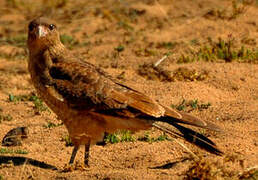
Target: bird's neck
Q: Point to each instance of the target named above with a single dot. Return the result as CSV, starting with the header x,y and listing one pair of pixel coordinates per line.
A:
x,y
57,50
41,61
39,65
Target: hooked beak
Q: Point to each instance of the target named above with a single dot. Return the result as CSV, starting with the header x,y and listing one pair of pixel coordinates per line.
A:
x,y
41,31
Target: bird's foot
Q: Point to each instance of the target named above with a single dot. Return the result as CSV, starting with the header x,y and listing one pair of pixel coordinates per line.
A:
x,y
75,166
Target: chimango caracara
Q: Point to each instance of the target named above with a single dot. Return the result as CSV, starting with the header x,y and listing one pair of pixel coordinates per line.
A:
x,y
90,102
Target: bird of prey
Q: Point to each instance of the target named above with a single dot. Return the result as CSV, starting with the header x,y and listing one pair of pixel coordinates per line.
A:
x,y
91,103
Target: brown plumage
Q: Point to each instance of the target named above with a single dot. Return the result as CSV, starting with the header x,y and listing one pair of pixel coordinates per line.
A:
x,y
90,102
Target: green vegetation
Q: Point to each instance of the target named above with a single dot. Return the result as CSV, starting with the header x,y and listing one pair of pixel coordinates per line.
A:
x,y
67,140
190,105
167,45
237,8
39,106
18,41
13,98
148,138
119,48
7,117
146,52
51,125
69,41
120,136
126,136
1,177
125,25
221,50
195,42
11,151
13,47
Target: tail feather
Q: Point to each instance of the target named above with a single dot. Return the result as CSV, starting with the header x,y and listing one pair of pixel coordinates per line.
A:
x,y
185,118
192,137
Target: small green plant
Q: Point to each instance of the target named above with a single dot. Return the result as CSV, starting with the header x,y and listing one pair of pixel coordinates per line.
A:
x,y
1,177
11,151
149,139
180,107
111,138
38,103
7,117
191,105
167,45
194,104
162,137
145,52
120,136
221,50
67,140
237,8
125,25
69,41
18,41
120,48
51,125
126,136
13,98
195,42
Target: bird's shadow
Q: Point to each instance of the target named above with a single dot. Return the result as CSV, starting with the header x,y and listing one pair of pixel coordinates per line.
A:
x,y
18,161
170,164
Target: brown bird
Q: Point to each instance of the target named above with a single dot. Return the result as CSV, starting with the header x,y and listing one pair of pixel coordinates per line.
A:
x,y
90,102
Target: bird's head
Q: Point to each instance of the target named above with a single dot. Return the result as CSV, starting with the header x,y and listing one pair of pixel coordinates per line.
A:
x,y
42,34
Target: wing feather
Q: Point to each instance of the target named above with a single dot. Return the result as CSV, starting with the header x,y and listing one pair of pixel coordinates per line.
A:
x,y
84,85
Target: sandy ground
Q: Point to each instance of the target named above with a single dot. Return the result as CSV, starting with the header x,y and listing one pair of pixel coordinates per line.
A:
x,y
141,28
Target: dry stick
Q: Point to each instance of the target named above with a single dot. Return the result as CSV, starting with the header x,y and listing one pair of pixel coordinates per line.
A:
x,y
31,172
162,128
160,60
163,11
23,167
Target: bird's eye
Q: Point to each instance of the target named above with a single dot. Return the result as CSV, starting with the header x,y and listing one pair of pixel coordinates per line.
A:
x,y
51,27
31,27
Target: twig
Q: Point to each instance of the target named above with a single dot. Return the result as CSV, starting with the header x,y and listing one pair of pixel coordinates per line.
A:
x,y
23,167
187,149
160,60
162,128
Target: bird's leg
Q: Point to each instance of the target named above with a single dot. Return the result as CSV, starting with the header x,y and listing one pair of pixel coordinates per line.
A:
x,y
87,153
75,149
